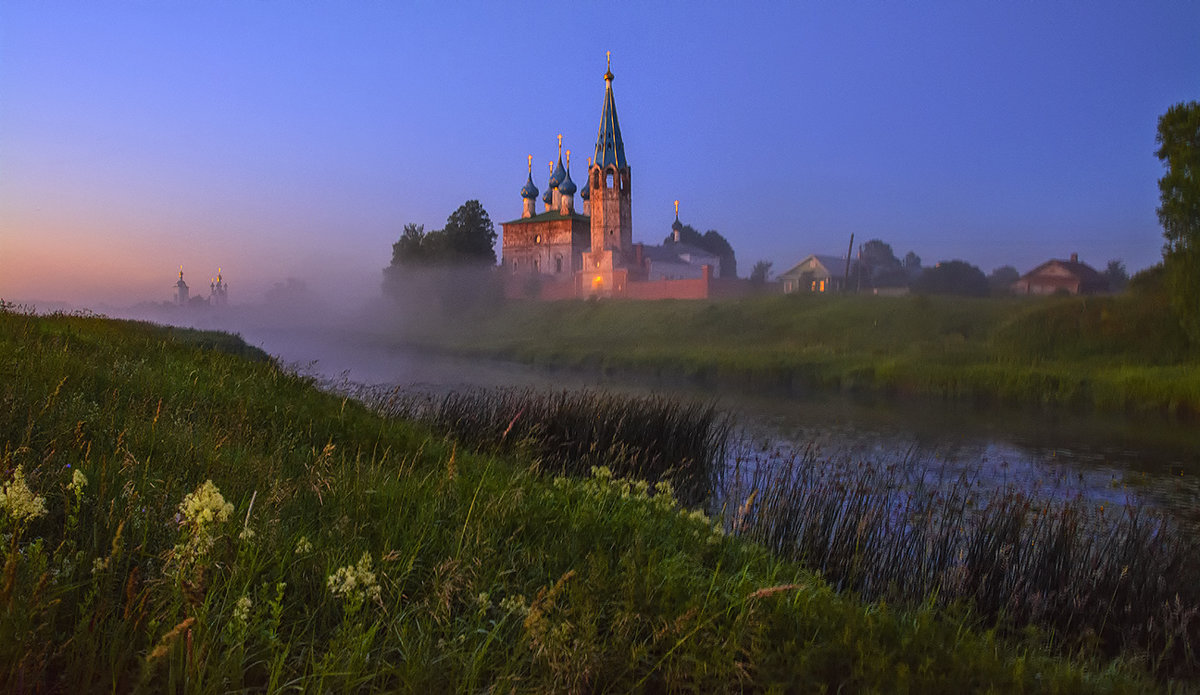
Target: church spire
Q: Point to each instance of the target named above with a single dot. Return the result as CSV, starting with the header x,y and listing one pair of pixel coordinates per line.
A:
x,y
610,149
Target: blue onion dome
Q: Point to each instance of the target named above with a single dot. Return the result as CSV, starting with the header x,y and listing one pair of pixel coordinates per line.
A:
x,y
567,187
678,225
529,191
548,197
583,193
559,174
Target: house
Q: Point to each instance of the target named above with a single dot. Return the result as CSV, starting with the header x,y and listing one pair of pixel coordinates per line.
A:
x,y
1061,277
819,273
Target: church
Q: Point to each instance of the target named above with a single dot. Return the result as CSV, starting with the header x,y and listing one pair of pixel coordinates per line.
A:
x,y
563,252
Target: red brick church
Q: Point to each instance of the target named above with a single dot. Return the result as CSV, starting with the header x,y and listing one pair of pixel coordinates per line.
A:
x,y
562,252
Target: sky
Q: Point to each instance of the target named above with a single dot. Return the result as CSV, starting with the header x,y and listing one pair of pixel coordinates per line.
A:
x,y
278,139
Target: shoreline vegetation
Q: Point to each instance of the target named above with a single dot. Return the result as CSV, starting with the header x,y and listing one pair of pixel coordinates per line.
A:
x,y
1124,354
180,514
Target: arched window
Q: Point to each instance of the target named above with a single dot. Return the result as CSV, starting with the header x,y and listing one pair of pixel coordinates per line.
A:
x,y
558,264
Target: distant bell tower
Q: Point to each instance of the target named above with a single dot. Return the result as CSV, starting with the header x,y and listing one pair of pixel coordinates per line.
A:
x,y
181,289
609,181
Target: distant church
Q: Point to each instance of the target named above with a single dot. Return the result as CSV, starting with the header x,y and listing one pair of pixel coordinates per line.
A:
x,y
561,253
218,292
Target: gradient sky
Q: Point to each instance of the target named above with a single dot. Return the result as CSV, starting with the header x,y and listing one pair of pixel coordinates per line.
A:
x,y
279,139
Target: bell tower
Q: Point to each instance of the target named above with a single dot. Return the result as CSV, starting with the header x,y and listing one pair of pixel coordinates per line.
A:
x,y
609,182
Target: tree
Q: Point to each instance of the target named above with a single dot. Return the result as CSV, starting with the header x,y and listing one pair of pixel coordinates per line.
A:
x,y
468,239
1115,275
952,277
1179,210
760,273
1001,280
712,242
883,268
470,235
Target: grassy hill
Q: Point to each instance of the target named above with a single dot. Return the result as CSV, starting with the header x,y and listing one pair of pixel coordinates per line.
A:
x,y
1122,353
179,514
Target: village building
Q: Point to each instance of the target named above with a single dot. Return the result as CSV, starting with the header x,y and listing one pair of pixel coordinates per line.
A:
x,y
819,273
588,251
1061,277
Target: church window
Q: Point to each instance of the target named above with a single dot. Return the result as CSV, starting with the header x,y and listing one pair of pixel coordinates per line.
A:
x,y
558,264
608,179
537,239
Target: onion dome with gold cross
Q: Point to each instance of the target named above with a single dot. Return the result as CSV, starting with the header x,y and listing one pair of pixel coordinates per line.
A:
x,y
529,191
548,196
567,186
557,176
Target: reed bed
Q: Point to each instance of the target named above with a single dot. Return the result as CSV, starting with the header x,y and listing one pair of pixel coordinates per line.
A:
x,y
1123,579
649,438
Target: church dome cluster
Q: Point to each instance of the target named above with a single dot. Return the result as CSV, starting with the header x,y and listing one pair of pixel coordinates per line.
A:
x,y
560,189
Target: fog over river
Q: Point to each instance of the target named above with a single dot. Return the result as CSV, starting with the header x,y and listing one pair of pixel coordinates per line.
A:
x,y
1110,459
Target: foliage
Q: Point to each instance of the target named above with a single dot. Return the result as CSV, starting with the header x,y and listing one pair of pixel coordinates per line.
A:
x,y
369,554
1115,275
468,238
1179,209
953,277
1001,280
760,273
448,269
712,242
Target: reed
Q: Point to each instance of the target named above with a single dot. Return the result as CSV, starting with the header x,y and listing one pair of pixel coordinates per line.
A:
x,y
1123,579
649,438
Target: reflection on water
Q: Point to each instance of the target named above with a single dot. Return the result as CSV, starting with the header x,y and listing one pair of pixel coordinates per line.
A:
x,y
1107,458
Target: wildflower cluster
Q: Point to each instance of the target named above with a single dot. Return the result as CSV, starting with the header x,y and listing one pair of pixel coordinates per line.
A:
x,y
241,610
78,482
603,482
354,583
19,501
200,512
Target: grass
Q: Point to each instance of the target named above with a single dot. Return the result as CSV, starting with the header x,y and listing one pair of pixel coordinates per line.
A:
x,y
1122,353
237,529
651,438
1123,579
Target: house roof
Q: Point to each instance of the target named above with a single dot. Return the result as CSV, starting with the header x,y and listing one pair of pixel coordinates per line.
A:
x,y
1087,275
834,265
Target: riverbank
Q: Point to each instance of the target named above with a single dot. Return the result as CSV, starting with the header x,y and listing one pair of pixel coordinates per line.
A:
x,y
1116,354
178,517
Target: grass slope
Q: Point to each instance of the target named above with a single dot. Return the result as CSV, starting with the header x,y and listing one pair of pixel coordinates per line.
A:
x,y
335,550
1123,353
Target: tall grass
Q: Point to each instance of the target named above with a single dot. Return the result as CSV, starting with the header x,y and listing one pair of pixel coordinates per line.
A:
x,y
569,432
235,529
1121,579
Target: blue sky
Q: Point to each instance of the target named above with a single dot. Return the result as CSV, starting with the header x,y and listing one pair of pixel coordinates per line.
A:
x,y
279,139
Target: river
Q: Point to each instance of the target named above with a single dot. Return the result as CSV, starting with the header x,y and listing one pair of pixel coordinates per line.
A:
x,y
1055,453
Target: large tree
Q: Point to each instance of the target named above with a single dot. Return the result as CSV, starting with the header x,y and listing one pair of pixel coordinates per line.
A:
x,y
710,241
952,277
1179,209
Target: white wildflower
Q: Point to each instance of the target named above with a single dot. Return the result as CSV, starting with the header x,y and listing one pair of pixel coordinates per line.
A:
x,y
19,501
78,482
303,546
355,582
241,610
